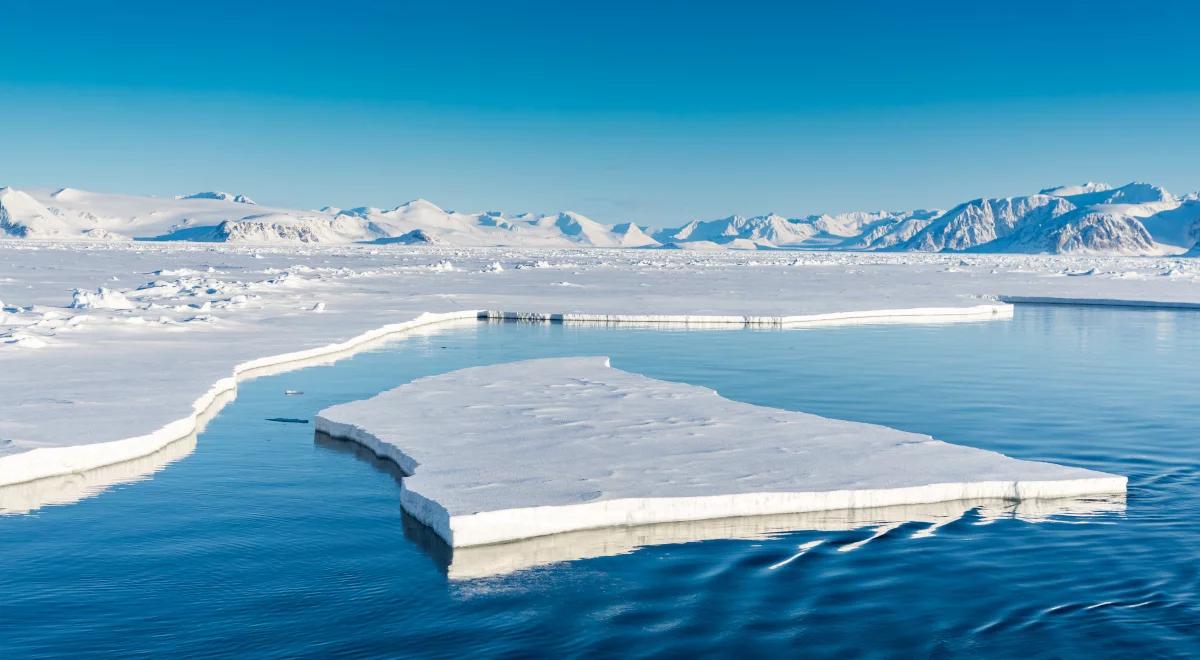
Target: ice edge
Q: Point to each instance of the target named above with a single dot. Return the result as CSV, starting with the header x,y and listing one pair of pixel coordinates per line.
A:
x,y
44,462
506,525
1098,302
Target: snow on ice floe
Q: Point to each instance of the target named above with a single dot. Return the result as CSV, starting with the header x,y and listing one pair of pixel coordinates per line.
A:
x,y
514,451
101,298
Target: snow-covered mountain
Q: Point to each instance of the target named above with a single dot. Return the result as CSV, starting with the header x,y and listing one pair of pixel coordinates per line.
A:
x,y
68,213
981,221
1134,219
855,230
421,221
23,216
224,196
223,217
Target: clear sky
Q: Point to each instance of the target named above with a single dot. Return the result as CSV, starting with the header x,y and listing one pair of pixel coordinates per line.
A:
x,y
656,112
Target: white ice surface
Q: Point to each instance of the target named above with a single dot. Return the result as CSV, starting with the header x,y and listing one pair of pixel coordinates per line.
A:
x,y
512,451
82,387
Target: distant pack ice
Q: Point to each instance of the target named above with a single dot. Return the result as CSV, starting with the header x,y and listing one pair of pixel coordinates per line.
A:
x,y
1091,218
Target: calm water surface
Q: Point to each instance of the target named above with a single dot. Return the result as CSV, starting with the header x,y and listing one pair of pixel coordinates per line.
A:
x,y
265,543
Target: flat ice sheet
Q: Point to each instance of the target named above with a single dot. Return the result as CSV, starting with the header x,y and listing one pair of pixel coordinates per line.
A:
x,y
73,358
519,450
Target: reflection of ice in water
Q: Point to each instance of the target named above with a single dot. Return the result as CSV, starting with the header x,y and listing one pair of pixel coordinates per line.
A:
x,y
70,488
985,312
500,558
489,560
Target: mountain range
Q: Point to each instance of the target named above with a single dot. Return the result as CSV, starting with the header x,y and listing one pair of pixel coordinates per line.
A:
x,y
1134,219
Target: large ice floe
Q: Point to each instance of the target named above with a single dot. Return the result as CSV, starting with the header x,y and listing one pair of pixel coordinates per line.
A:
x,y
515,451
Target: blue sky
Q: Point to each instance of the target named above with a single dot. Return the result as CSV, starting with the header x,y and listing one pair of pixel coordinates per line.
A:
x,y
656,112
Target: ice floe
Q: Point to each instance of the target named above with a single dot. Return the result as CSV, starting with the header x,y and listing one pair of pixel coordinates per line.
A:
x,y
507,452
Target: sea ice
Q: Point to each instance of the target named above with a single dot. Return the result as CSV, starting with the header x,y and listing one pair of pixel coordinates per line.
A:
x,y
75,361
514,451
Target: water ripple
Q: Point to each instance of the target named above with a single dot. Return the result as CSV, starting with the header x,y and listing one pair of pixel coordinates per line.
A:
x,y
264,543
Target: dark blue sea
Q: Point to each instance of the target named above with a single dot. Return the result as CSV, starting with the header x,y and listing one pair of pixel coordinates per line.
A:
x,y
264,541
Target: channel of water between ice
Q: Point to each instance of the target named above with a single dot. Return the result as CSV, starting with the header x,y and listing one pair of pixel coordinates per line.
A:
x,y
49,462
85,470
36,477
